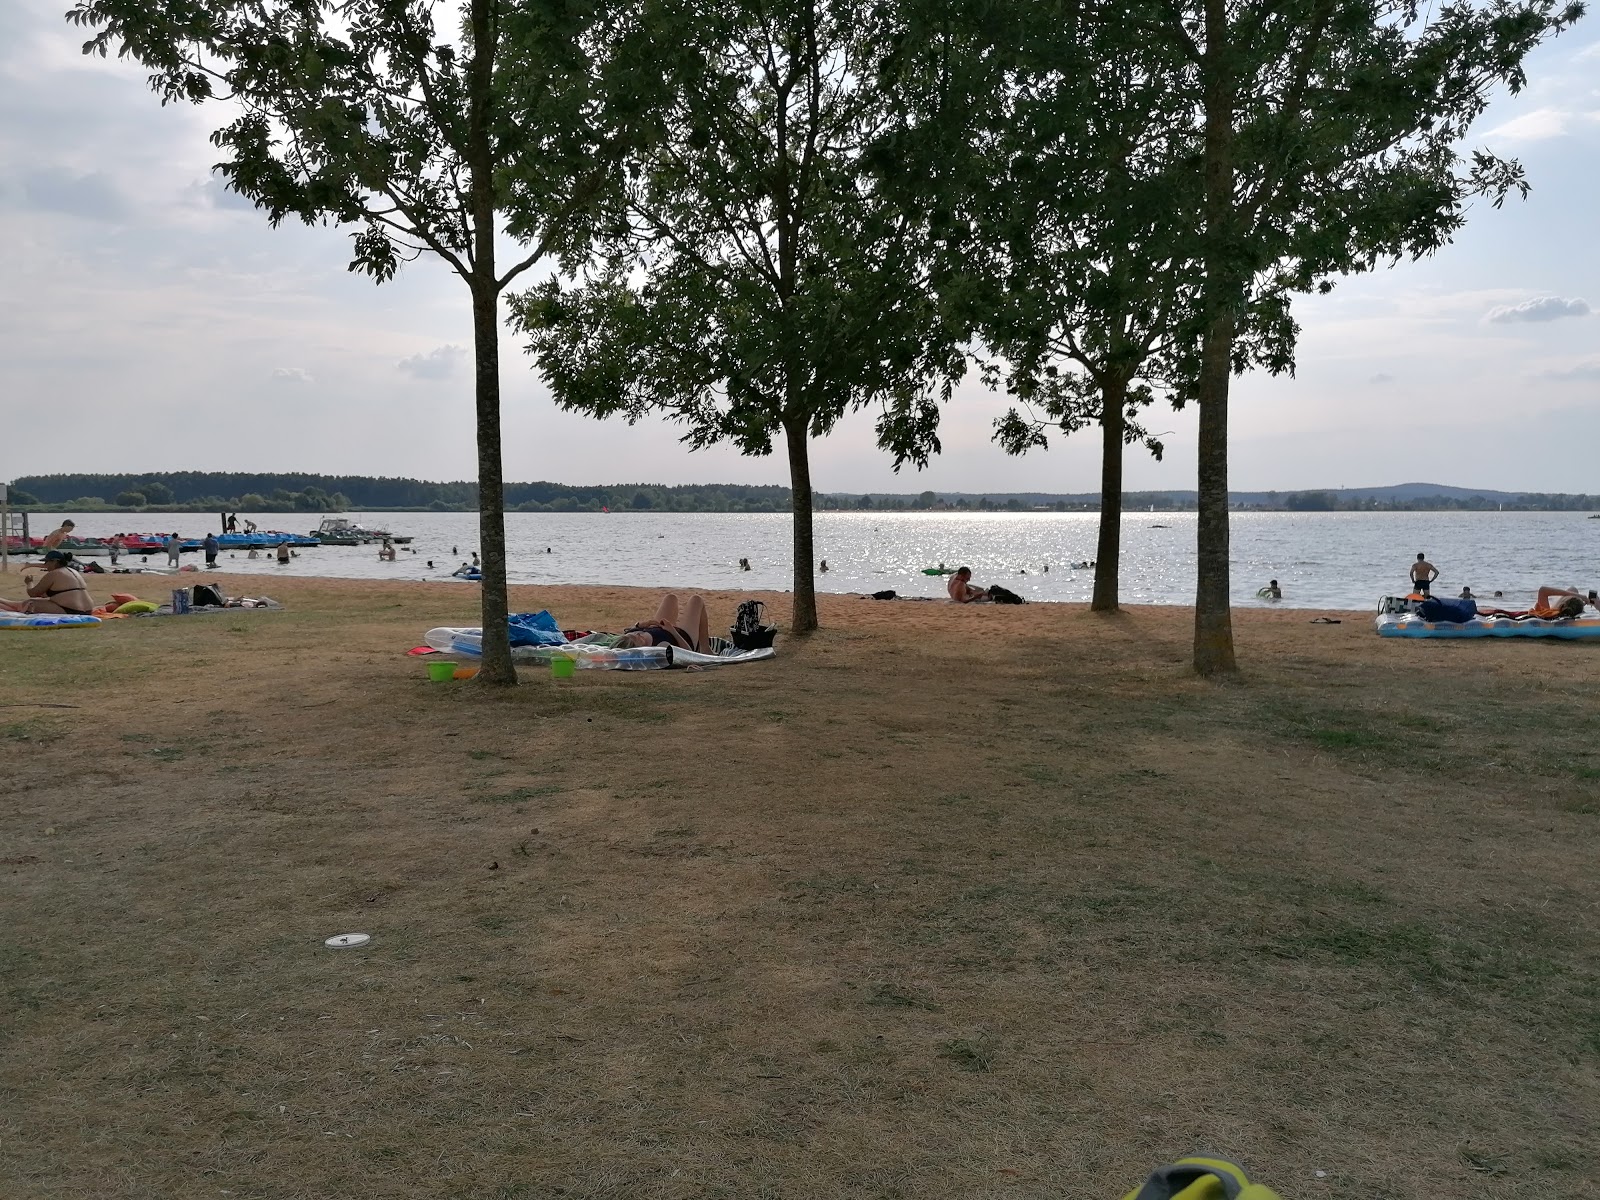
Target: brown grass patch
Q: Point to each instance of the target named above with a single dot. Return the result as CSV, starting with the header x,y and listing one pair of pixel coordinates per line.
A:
x,y
941,903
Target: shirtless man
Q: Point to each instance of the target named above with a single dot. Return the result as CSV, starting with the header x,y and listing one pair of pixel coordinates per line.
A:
x,y
961,589
55,537
1423,573
59,590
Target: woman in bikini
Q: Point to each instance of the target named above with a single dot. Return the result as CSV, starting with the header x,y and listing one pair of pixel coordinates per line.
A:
x,y
692,632
1545,608
60,590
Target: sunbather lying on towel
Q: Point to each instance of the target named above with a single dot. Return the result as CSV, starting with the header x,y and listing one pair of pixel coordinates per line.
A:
x,y
692,632
1544,608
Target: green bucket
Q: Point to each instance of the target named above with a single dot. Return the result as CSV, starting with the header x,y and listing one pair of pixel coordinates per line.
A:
x,y
562,666
441,671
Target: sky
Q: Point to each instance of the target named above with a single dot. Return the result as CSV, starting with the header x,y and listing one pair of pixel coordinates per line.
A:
x,y
150,321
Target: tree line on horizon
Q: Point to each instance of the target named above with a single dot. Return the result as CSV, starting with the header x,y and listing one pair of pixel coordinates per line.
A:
x,y
212,491
757,216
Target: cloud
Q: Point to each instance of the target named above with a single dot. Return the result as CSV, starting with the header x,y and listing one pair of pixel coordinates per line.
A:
x,y
1540,125
292,375
439,363
69,193
1381,377
1579,372
1545,308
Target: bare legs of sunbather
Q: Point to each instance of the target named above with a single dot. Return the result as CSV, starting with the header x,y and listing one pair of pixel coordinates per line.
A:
x,y
687,620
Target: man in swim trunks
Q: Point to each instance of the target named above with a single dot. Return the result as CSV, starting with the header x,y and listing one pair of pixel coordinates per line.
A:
x,y
59,590
1423,573
961,589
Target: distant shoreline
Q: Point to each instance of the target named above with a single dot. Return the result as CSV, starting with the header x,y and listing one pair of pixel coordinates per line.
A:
x,y
312,496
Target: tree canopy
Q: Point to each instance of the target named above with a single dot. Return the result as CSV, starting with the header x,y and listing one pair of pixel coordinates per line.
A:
x,y
759,286
431,128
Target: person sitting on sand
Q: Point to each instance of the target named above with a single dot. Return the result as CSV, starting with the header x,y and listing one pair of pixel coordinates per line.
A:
x,y
961,589
692,632
59,590
1423,573
1544,608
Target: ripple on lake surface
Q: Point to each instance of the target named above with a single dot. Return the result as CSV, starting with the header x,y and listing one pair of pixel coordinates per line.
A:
x,y
1321,560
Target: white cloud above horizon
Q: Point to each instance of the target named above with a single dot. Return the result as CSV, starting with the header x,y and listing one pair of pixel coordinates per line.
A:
x,y
439,363
1544,308
141,289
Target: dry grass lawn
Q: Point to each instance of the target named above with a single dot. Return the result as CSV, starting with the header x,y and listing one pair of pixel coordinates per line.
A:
x,y
942,903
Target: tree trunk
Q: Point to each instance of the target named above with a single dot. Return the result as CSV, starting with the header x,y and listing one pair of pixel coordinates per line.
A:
x,y
497,668
1213,618
1108,550
804,619
1213,615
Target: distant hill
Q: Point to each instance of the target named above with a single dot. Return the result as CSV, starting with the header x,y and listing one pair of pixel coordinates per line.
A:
x,y
201,491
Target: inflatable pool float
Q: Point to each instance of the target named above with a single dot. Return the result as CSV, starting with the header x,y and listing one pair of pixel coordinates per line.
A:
x,y
10,620
587,657
1409,625
938,570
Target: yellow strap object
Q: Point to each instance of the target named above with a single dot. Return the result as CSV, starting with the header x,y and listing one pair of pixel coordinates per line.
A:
x,y
1200,1178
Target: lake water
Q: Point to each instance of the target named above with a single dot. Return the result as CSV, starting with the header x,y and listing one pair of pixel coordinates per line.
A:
x,y
1321,560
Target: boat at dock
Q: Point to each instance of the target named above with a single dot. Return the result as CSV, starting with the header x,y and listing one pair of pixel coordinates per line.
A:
x,y
341,531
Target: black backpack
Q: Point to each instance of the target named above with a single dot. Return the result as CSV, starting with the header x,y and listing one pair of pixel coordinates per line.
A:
x,y
1000,595
749,632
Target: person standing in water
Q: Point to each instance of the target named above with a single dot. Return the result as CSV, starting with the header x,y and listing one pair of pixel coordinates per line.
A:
x,y
1423,573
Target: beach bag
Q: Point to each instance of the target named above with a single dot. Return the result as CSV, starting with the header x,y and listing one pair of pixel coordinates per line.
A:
x,y
749,631
1399,606
206,596
1451,612
1197,1178
1000,595
535,629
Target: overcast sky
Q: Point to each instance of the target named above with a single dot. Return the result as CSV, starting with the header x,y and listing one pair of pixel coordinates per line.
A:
x,y
151,321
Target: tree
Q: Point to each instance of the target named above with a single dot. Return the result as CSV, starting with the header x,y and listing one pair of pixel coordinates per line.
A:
x,y
130,499
156,493
1081,209
762,286
365,113
1329,133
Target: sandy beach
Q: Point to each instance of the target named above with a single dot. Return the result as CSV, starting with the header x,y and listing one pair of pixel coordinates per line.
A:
x,y
942,901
